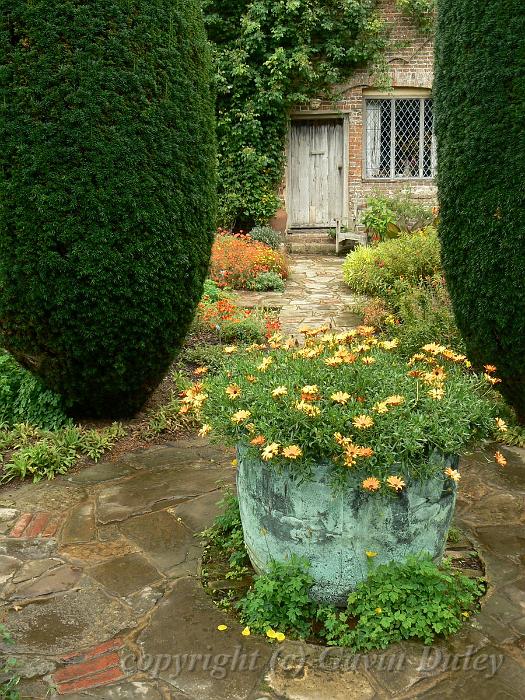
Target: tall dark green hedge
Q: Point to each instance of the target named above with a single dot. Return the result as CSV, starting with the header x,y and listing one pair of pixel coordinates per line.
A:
x,y
107,191
480,104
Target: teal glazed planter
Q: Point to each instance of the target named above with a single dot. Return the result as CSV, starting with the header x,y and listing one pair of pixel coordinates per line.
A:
x,y
281,517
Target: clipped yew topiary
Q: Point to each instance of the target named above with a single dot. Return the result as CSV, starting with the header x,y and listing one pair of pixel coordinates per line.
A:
x,y
107,191
480,104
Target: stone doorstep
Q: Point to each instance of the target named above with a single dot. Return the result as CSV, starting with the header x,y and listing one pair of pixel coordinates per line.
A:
x,y
95,667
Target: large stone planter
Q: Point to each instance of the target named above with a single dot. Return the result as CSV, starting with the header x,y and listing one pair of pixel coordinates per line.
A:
x,y
281,517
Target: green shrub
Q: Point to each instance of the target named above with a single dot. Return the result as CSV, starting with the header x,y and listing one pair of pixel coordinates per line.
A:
x,y
8,678
107,191
23,398
280,601
248,330
410,600
387,215
480,108
227,535
425,315
410,257
266,234
267,282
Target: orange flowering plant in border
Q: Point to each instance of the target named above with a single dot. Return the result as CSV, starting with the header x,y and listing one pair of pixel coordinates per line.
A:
x,y
354,401
235,260
229,319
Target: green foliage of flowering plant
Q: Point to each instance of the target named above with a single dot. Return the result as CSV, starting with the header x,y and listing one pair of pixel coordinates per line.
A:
x,y
397,601
351,400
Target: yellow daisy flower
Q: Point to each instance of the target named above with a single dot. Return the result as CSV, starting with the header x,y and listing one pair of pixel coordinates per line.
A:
x,y
501,425
270,451
340,397
371,555
205,430
396,483
240,416
436,394
362,422
222,628
233,391
265,364
279,391
292,452
453,474
230,349
246,632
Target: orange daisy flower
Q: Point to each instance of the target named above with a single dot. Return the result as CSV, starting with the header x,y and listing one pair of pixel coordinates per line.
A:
x,y
371,484
453,474
258,441
500,459
292,452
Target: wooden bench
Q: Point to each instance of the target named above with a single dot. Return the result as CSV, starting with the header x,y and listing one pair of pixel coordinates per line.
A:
x,y
357,233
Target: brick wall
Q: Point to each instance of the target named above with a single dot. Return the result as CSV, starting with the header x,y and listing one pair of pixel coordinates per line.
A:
x,y
410,60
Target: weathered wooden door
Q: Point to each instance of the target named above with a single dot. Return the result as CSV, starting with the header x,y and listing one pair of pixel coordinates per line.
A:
x,y
316,173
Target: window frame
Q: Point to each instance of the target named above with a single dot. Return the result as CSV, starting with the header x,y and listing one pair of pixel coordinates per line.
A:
x,y
393,99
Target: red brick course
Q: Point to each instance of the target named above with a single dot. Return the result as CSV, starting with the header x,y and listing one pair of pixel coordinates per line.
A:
x,y
31,525
97,666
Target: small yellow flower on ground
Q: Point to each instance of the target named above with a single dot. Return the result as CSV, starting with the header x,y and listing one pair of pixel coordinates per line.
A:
x,y
230,349
378,611
453,474
233,391
280,637
362,422
292,452
240,416
279,391
501,425
246,632
371,555
234,462
340,397
465,614
381,407
270,451
205,430
500,459
250,378
271,633
396,483
371,484
222,628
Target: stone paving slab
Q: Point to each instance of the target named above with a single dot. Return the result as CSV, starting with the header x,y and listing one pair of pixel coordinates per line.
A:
x,y
315,295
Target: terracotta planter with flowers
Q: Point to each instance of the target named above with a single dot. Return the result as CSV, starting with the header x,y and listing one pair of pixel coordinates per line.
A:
x,y
346,448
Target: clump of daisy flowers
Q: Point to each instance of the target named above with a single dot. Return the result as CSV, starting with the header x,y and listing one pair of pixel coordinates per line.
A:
x,y
350,400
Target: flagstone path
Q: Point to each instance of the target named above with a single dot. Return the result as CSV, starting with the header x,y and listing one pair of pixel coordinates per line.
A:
x,y
99,586
315,295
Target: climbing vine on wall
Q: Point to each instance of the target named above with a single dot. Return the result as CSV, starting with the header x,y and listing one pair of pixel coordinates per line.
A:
x,y
421,12
271,55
